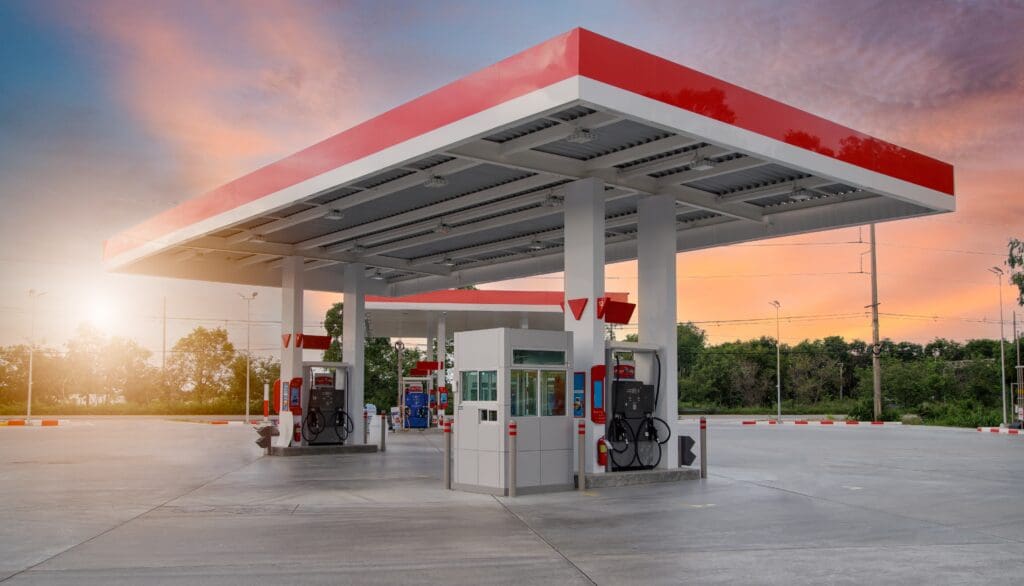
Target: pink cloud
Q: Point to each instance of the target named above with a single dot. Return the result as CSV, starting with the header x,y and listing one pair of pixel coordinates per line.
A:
x,y
228,86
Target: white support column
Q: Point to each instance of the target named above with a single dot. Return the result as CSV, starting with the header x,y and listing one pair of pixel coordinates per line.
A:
x,y
431,331
656,254
291,317
442,358
584,279
353,342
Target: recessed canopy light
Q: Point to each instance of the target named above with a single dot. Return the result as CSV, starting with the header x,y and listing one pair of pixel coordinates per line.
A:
x,y
799,195
258,239
580,136
377,275
552,201
536,245
435,181
334,215
442,228
448,262
702,164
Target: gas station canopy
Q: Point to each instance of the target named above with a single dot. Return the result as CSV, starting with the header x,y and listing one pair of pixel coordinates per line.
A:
x,y
465,184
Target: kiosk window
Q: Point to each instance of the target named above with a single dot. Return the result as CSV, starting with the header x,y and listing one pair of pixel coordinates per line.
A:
x,y
470,385
488,385
538,357
552,389
524,393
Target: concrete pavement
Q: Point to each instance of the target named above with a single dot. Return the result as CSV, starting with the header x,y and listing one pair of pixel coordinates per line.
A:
x,y
130,502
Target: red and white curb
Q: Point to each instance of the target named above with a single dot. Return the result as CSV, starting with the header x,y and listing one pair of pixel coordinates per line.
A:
x,y
821,422
33,422
1002,430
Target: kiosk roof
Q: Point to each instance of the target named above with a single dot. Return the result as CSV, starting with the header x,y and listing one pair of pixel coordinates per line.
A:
x,y
463,185
412,316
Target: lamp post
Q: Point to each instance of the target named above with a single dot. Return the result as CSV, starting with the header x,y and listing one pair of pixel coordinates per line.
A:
x,y
33,295
778,362
998,272
248,352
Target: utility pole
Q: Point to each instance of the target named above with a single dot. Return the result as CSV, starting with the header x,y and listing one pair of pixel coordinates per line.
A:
x,y
876,347
778,363
998,272
248,349
1019,369
163,343
33,295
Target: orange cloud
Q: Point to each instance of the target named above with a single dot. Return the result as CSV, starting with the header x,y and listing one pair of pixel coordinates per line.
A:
x,y
228,86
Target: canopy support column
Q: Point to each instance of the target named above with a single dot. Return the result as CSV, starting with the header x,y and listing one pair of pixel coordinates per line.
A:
x,y
353,342
656,255
584,279
292,273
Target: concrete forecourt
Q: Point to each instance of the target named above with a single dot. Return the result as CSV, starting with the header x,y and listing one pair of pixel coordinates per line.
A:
x,y
144,501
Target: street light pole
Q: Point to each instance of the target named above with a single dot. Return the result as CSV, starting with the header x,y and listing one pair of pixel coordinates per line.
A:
x,y
33,295
998,272
778,363
248,348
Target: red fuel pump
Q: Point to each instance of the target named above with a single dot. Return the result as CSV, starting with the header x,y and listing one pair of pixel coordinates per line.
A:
x,y
295,406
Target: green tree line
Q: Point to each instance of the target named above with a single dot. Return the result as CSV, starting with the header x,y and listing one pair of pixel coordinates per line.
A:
x,y
95,373
944,381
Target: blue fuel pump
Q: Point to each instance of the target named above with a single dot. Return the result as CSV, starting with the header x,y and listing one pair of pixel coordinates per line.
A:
x,y
417,412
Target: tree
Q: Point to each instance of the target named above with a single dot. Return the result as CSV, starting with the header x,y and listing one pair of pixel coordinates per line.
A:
x,y
265,370
334,321
13,373
200,363
689,344
1015,260
126,372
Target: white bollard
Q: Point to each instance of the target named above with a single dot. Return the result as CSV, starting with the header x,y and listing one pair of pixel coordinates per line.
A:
x,y
513,431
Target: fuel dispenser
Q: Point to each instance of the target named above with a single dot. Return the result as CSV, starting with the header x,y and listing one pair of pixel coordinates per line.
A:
x,y
635,436
317,401
416,402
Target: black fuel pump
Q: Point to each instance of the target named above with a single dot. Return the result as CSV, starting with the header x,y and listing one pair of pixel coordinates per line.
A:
x,y
326,409
635,435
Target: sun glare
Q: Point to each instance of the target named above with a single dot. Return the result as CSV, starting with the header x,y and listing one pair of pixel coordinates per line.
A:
x,y
100,312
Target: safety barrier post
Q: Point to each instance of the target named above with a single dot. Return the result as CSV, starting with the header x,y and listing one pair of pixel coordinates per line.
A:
x,y
512,452
383,431
447,455
366,426
266,402
582,449
703,447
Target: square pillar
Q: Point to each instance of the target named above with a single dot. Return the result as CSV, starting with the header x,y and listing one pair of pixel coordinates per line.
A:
x,y
353,342
656,256
584,279
292,273
442,358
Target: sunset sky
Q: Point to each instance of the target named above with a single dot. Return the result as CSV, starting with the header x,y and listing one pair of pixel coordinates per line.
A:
x,y
113,111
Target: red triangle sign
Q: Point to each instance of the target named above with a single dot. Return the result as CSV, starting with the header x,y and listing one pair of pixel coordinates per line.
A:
x,y
577,306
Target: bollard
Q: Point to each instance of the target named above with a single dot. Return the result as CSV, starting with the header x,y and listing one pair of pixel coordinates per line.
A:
x,y
703,447
582,450
383,431
512,432
447,474
366,427
266,402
